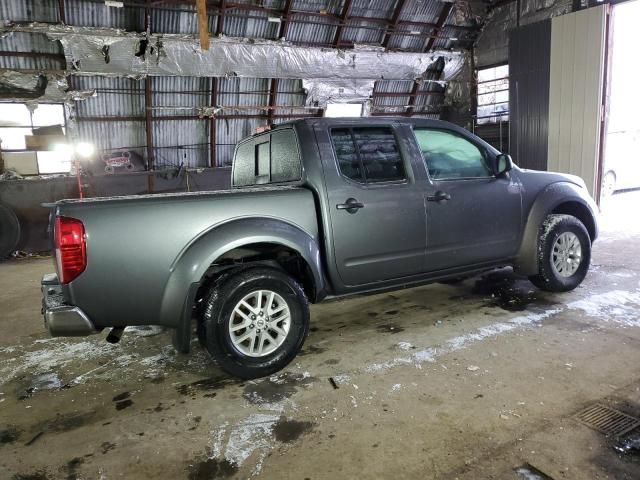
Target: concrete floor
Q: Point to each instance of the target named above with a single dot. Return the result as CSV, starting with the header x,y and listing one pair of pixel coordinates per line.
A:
x,y
470,381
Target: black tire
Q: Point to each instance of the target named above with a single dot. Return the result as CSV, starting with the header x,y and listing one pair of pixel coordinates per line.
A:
x,y
225,294
201,333
548,277
9,231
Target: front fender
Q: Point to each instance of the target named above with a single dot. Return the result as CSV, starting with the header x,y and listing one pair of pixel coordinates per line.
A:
x,y
193,262
546,202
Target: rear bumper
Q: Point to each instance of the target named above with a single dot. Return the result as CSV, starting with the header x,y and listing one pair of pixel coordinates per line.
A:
x,y
60,319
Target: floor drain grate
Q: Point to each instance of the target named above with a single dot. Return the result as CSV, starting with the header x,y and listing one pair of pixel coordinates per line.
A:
x,y
607,420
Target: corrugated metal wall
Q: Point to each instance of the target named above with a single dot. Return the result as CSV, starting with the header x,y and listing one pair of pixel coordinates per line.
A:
x,y
492,46
575,96
115,119
529,56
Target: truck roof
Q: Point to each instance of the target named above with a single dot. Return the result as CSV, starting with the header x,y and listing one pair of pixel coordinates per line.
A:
x,y
377,120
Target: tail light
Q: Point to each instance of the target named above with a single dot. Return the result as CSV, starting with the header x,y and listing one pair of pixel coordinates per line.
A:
x,y
70,246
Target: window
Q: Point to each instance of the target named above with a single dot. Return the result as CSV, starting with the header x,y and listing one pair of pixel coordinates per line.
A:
x,y
284,150
343,110
368,155
267,158
345,149
450,156
263,162
243,166
18,121
493,94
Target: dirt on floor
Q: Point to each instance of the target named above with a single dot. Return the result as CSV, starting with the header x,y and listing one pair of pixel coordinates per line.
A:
x,y
477,380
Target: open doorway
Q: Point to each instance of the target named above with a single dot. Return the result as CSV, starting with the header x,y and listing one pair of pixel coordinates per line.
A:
x,y
620,179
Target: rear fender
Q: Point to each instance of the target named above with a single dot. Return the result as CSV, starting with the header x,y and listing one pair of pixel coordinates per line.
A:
x,y
190,267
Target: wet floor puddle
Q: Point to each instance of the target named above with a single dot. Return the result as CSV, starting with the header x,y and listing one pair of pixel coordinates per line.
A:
x,y
508,293
47,381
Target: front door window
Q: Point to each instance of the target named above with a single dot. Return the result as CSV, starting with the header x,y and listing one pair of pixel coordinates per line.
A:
x,y
450,156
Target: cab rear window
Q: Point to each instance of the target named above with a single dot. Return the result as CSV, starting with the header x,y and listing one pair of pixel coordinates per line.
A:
x,y
368,154
272,157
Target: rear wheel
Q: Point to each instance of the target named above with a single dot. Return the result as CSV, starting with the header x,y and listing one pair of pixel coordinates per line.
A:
x,y
255,321
564,254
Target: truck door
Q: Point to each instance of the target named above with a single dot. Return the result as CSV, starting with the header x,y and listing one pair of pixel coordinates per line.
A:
x,y
376,210
472,216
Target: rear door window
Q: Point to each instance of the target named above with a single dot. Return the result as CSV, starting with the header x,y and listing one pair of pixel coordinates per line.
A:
x,y
368,154
345,149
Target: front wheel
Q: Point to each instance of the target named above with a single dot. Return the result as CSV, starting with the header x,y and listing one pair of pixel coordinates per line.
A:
x,y
255,321
564,254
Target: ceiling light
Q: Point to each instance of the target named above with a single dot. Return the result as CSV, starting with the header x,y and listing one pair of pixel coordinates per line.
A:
x,y
85,149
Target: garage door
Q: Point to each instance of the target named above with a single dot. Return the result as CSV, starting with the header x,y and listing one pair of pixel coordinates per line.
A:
x,y
576,93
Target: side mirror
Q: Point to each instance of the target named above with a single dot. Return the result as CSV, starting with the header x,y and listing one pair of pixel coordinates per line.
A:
x,y
503,164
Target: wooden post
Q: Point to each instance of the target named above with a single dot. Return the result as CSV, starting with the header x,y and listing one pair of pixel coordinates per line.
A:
x,y
203,24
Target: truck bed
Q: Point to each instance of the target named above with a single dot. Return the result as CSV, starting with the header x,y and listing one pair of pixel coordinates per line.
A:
x,y
134,242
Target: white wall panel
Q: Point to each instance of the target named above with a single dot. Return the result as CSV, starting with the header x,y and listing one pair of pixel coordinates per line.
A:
x,y
575,94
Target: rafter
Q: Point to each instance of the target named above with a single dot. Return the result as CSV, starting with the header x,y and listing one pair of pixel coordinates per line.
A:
x,y
395,20
221,12
346,11
225,9
285,20
61,12
440,23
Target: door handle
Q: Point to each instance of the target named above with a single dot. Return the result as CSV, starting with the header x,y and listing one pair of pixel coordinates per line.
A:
x,y
439,196
351,205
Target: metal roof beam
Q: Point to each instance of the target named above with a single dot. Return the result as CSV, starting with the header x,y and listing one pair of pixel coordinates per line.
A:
x,y
346,10
412,98
148,115
442,20
61,12
213,124
395,18
284,22
221,12
188,117
273,94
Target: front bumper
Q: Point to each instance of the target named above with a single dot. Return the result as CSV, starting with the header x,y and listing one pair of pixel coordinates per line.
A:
x,y
60,319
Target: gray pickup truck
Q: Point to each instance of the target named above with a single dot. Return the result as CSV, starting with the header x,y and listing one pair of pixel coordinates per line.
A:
x,y
319,207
